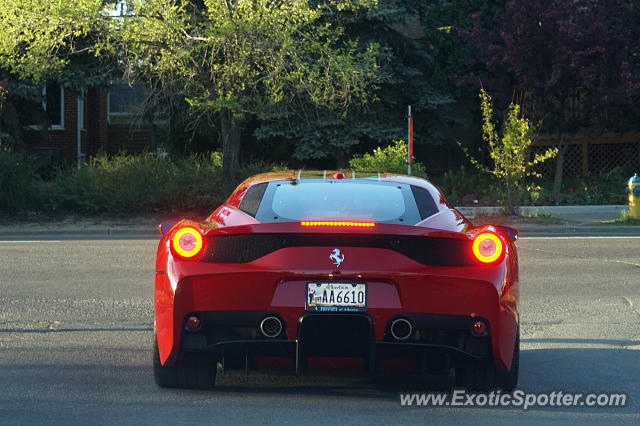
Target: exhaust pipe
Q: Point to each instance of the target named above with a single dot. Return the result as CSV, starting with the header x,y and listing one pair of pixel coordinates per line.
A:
x,y
271,327
401,329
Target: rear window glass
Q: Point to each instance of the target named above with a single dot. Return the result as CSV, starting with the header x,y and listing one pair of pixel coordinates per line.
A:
x,y
426,206
251,200
357,199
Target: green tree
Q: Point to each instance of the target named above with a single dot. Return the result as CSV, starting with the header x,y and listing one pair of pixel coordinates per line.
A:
x,y
42,41
234,60
40,37
509,151
392,158
573,63
405,76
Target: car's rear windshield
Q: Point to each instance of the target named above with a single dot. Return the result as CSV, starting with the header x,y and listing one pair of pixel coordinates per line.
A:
x,y
338,199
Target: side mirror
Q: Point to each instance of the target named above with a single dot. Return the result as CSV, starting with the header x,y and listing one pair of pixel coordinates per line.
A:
x,y
508,231
165,226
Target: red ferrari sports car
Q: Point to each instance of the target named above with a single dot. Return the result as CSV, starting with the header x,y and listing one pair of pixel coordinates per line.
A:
x,y
312,271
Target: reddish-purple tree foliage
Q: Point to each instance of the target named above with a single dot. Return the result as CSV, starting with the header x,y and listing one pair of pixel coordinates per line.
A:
x,y
575,63
572,64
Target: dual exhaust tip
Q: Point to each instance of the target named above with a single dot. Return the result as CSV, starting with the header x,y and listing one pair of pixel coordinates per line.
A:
x,y
401,329
271,327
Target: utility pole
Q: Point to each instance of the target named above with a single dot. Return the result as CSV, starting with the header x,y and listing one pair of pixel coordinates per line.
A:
x,y
409,139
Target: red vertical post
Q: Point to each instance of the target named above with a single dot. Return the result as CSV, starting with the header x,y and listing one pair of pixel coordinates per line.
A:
x,y
410,139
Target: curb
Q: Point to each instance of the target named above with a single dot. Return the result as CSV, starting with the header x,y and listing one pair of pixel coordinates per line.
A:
x,y
580,231
107,233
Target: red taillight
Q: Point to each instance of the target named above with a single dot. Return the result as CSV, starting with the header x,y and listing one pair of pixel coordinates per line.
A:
x,y
479,328
338,223
193,323
487,247
187,242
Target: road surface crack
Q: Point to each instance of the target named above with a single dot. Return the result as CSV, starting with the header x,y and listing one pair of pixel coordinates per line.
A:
x,y
630,304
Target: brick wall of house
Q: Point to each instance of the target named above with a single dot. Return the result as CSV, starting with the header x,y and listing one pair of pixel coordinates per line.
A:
x,y
66,139
94,137
98,136
130,139
96,121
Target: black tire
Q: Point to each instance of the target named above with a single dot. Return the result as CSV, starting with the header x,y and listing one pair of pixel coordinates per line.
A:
x,y
186,373
483,376
508,380
478,377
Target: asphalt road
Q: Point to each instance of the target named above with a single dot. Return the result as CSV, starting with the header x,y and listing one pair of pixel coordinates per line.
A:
x,y
76,327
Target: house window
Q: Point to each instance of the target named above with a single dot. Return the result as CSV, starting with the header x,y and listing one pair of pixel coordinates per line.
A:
x,y
81,110
53,104
125,100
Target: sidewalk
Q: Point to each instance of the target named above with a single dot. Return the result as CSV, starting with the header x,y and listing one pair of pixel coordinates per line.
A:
x,y
572,220
565,220
71,228
583,214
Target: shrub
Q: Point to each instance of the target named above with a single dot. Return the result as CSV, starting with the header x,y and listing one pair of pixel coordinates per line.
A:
x,y
393,159
509,151
17,174
601,188
462,186
136,184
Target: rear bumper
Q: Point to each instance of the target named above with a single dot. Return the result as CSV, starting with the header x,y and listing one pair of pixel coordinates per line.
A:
x,y
336,342
397,286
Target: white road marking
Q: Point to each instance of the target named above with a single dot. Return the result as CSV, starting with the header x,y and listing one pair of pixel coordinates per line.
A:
x,y
29,241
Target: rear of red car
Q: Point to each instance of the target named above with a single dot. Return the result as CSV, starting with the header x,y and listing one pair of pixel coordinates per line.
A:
x,y
335,290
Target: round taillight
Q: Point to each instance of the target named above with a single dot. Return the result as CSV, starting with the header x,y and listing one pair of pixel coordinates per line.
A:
x,y
193,323
487,247
479,328
187,242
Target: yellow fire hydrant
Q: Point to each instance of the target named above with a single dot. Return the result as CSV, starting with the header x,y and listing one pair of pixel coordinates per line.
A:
x,y
634,196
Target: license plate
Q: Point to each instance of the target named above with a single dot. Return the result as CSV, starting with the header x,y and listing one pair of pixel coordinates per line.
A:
x,y
336,297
